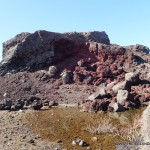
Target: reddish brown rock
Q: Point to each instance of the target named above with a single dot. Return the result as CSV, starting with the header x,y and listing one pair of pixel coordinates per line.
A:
x,y
89,60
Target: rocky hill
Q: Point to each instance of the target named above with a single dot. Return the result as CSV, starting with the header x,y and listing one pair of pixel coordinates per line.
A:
x,y
83,68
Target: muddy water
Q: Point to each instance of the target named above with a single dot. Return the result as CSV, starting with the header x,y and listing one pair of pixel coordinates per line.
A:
x,y
65,124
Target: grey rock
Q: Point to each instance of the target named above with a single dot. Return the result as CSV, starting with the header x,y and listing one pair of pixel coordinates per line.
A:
x,y
32,51
31,141
123,85
94,96
52,71
81,143
122,96
66,77
19,104
132,77
115,107
7,104
37,105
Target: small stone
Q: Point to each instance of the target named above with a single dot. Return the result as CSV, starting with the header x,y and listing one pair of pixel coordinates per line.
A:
x,y
24,137
81,143
94,139
31,141
20,111
73,143
5,136
59,141
88,148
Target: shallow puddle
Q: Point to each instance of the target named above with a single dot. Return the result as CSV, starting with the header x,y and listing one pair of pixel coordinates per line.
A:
x,y
64,124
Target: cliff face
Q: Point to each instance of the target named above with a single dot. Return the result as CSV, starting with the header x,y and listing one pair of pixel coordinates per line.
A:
x,y
28,51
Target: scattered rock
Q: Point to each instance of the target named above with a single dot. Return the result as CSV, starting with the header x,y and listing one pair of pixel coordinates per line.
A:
x,y
31,141
73,143
37,105
122,96
86,59
81,143
132,77
52,71
94,96
115,107
19,104
66,77
124,85
59,141
94,139
53,103
7,104
88,148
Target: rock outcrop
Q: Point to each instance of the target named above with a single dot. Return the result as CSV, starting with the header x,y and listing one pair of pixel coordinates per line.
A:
x,y
28,51
44,62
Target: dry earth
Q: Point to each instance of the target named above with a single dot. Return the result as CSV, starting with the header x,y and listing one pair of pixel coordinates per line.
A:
x,y
14,135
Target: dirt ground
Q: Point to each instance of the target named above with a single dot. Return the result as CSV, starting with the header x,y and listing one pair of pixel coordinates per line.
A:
x,y
14,135
24,85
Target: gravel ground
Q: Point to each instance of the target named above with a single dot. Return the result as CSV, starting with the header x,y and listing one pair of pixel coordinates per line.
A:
x,y
14,135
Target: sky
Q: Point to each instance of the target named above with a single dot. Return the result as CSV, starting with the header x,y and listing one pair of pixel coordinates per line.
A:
x,y
127,22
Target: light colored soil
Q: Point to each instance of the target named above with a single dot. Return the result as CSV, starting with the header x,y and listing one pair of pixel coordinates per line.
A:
x,y
14,135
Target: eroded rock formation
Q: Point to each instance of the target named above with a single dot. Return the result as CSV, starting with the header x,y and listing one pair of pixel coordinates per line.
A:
x,y
118,77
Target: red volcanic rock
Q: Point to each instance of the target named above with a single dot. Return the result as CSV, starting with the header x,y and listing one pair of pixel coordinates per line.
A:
x,y
43,48
89,60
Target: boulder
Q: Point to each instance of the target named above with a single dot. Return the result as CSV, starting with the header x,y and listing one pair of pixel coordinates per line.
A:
x,y
96,105
52,71
123,85
66,77
132,77
7,104
19,104
144,71
94,96
37,105
122,96
2,106
115,107
110,85
102,90
103,105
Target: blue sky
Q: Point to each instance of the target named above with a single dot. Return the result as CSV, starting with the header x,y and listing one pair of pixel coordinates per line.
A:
x,y
125,21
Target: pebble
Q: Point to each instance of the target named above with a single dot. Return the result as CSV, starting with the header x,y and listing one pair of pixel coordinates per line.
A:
x,y
24,137
77,140
81,143
73,143
94,139
5,136
59,141
31,141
